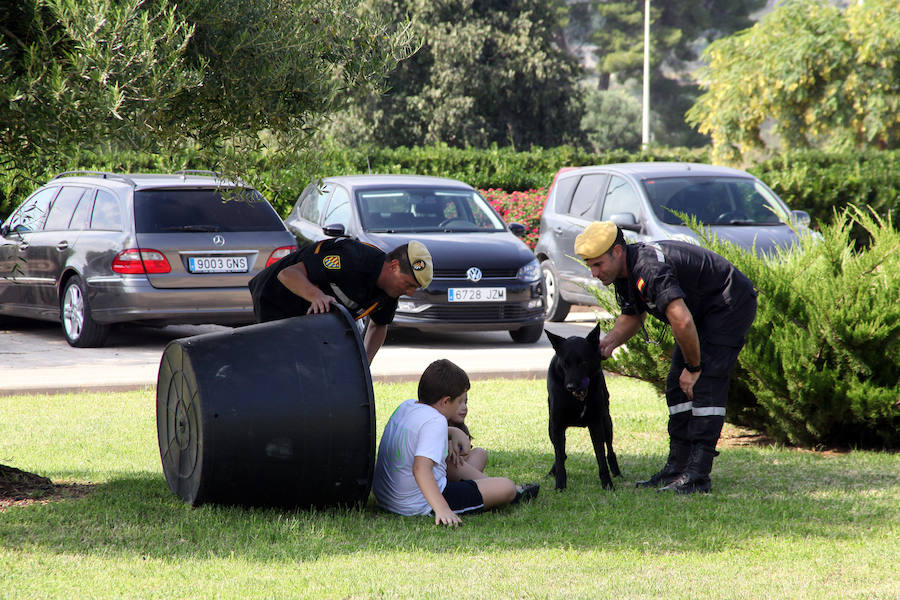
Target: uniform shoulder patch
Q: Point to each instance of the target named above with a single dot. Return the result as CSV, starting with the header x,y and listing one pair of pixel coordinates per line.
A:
x,y
640,284
332,261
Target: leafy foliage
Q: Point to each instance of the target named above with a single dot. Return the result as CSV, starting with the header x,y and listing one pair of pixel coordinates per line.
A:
x,y
675,28
489,71
155,76
820,365
823,77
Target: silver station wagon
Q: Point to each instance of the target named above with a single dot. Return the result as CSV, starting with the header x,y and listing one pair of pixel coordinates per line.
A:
x,y
91,249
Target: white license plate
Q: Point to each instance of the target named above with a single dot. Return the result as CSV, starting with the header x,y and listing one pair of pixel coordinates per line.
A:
x,y
481,294
218,264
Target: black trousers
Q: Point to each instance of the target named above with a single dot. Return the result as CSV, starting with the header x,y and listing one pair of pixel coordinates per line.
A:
x,y
699,421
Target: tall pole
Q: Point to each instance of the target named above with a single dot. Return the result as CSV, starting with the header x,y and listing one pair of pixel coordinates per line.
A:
x,y
645,109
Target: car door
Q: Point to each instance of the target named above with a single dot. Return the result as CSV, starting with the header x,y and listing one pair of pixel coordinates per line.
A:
x,y
340,212
621,199
304,222
580,212
50,249
17,271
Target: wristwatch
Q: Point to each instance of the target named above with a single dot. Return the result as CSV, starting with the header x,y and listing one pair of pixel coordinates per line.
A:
x,y
694,368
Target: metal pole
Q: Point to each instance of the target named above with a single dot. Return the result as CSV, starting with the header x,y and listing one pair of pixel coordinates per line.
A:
x,y
645,109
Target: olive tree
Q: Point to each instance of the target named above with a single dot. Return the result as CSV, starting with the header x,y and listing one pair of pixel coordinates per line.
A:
x,y
817,75
153,74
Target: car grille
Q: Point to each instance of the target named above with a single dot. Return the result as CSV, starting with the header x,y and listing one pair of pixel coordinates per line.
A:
x,y
485,273
473,313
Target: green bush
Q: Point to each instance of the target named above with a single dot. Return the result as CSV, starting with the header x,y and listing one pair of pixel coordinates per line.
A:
x,y
281,177
821,362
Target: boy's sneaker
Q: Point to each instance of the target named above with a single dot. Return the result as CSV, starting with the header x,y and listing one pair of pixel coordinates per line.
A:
x,y
526,492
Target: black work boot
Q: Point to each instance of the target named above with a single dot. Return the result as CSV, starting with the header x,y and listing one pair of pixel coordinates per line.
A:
x,y
679,454
695,478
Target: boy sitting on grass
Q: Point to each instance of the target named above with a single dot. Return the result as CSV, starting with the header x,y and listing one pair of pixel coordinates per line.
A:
x,y
411,470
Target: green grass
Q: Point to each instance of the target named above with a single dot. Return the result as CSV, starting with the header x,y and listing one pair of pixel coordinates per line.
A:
x,y
780,523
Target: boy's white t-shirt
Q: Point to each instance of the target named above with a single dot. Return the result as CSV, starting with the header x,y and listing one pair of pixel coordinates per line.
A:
x,y
413,430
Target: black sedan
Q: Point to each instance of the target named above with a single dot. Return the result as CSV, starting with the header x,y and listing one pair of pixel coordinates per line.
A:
x,y
485,278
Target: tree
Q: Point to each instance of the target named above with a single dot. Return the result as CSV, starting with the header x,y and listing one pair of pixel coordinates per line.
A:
x,y
677,29
489,71
152,74
821,77
609,120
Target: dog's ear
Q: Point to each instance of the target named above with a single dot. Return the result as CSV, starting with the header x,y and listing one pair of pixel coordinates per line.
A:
x,y
555,340
593,338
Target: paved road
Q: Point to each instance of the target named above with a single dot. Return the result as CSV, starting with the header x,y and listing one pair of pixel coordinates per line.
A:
x,y
34,356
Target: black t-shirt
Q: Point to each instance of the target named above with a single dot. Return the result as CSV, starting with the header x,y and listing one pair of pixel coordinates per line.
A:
x,y
711,287
344,268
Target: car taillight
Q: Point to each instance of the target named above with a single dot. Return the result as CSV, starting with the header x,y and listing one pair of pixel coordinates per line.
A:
x,y
135,260
279,253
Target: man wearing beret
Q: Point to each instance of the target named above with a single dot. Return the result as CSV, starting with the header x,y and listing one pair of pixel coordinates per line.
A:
x,y
710,306
359,276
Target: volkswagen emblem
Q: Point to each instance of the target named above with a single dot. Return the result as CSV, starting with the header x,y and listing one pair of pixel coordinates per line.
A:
x,y
473,274
219,240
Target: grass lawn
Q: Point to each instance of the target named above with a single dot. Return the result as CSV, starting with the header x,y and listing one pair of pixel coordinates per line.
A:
x,y
780,523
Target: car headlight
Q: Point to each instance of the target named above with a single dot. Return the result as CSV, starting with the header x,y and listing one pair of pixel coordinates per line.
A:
x,y
530,272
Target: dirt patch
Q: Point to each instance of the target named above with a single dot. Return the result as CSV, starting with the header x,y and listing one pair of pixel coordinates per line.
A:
x,y
21,488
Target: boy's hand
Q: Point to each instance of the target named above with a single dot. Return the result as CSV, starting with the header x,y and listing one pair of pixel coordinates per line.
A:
x,y
459,446
447,517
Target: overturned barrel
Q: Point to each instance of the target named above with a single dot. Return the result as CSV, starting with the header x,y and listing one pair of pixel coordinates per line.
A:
x,y
275,414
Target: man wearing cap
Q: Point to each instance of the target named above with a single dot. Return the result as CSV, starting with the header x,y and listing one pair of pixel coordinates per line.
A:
x,y
710,306
359,276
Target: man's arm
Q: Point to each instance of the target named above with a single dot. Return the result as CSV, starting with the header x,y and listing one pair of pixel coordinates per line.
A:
x,y
375,335
625,327
685,332
295,279
422,471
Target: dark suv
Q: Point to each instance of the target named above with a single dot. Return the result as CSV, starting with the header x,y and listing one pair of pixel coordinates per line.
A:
x,y
90,249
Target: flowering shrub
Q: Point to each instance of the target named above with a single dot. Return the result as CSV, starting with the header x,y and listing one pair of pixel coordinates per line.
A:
x,y
520,207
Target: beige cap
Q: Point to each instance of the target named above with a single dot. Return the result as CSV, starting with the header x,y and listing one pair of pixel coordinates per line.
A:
x,y
420,262
597,238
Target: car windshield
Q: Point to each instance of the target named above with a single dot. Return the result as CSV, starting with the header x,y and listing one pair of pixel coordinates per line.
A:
x,y
425,209
714,200
197,210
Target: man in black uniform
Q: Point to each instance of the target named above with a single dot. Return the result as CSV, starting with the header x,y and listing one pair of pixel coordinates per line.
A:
x,y
361,277
710,306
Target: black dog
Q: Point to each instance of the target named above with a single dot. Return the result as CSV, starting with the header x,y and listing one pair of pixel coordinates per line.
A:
x,y
578,398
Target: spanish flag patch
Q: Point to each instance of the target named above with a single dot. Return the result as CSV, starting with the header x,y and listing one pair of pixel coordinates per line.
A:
x,y
640,284
332,261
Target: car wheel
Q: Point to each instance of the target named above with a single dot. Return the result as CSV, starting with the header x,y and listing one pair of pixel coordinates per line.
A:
x,y
81,330
556,308
527,335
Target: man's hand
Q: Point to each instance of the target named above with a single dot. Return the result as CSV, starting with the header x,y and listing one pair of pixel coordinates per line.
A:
x,y
686,382
320,303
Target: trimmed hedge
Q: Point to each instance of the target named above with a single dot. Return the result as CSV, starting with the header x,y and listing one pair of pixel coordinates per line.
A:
x,y
817,182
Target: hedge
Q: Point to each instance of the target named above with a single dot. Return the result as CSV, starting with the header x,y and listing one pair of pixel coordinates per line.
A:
x,y
817,182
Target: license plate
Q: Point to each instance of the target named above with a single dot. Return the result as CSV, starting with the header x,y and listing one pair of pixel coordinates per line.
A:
x,y
218,264
481,294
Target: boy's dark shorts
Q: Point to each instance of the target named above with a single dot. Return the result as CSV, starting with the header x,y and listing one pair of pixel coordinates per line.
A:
x,y
463,496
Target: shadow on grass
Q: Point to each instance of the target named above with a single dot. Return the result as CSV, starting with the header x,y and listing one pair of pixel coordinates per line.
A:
x,y
758,493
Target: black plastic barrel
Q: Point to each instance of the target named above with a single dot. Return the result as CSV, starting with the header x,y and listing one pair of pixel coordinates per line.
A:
x,y
275,414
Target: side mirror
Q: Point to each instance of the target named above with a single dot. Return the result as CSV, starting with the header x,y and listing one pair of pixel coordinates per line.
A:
x,y
800,218
4,230
517,229
334,230
625,221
